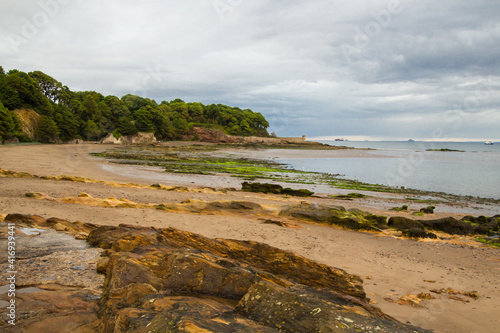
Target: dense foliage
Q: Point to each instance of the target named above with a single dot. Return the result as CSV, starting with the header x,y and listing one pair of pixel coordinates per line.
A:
x,y
89,115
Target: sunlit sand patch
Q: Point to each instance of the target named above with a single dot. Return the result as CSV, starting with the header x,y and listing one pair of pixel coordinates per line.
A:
x,y
86,180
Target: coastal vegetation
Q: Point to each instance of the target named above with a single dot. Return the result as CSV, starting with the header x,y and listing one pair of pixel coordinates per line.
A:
x,y
88,115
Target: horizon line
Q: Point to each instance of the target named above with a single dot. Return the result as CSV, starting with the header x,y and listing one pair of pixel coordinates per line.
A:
x,y
374,138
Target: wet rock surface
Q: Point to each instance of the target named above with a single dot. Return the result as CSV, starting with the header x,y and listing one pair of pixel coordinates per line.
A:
x,y
168,280
56,283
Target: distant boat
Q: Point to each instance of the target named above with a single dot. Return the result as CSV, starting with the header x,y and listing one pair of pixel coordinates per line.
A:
x,y
339,139
489,143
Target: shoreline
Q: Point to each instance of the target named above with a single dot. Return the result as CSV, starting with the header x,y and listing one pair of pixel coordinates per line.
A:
x,y
384,259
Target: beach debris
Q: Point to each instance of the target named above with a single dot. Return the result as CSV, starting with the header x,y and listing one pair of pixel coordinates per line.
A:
x,y
451,291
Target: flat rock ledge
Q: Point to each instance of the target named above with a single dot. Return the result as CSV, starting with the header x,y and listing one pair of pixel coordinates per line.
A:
x,y
168,280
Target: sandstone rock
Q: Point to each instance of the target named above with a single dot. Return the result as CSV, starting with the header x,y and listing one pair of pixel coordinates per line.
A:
x,y
261,256
305,309
78,229
168,280
29,122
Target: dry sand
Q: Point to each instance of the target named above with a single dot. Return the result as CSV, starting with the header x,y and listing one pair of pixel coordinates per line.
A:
x,y
395,267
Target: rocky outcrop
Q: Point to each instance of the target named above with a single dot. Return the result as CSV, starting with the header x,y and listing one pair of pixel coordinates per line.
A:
x,y
172,280
217,136
140,138
212,135
168,280
336,215
29,121
274,188
469,225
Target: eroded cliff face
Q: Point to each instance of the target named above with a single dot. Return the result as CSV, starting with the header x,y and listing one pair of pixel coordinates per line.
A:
x,y
29,122
168,280
139,138
217,136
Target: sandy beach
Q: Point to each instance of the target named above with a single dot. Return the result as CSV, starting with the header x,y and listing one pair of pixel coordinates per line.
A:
x,y
391,267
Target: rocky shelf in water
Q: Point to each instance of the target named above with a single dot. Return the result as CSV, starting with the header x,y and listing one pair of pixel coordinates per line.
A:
x,y
168,280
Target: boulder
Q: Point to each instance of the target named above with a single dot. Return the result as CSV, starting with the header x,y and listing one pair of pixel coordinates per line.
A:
x,y
427,210
403,223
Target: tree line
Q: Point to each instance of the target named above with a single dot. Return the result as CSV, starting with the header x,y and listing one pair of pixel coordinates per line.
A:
x,y
88,115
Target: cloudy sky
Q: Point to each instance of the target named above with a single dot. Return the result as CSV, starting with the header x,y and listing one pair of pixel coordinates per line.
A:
x,y
374,69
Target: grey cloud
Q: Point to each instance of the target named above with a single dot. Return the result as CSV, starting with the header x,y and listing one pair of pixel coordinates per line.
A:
x,y
286,59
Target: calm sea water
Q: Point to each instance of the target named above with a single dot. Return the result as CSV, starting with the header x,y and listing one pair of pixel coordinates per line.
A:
x,y
473,171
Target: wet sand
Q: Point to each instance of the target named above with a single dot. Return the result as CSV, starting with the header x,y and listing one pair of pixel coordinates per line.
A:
x,y
395,267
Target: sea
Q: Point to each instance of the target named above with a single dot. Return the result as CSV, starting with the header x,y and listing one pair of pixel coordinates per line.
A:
x,y
471,168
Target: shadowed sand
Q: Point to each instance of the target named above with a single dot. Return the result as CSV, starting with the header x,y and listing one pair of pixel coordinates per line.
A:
x,y
393,267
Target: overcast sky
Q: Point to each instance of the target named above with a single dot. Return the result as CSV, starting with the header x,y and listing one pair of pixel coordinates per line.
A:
x,y
388,69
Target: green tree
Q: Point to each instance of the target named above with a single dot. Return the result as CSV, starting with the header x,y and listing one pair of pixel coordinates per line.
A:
x,y
195,111
47,130
144,119
180,108
23,92
50,87
90,104
126,126
66,122
245,127
163,126
92,131
9,124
